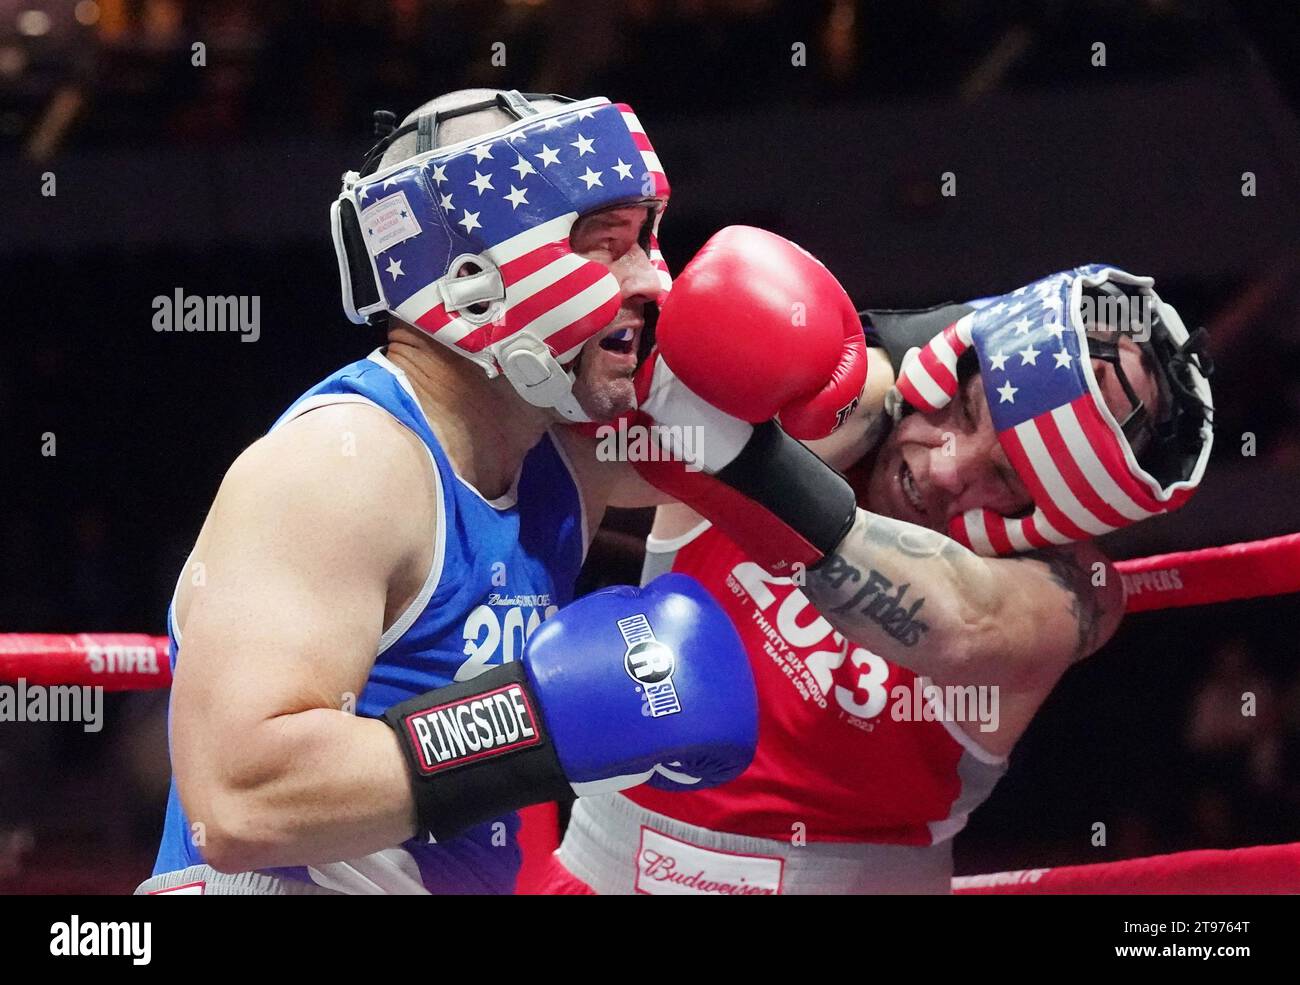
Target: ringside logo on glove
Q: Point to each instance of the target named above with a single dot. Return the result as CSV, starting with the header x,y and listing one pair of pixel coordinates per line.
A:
x,y
458,732
651,664
563,720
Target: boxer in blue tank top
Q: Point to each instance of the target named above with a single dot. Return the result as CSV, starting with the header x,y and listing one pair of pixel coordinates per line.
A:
x,y
501,566
415,523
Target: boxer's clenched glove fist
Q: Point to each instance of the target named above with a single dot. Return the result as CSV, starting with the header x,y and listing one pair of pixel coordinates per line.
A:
x,y
757,331
759,328
622,687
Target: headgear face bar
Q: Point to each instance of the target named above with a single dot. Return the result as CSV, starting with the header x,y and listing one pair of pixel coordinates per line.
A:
x,y
470,242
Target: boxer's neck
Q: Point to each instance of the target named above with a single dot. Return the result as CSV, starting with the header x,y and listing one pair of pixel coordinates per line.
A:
x,y
483,425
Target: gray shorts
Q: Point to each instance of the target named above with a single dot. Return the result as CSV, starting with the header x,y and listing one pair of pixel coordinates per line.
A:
x,y
617,847
203,880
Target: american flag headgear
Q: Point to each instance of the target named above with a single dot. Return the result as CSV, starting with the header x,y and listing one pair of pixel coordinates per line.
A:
x,y
1051,417
470,242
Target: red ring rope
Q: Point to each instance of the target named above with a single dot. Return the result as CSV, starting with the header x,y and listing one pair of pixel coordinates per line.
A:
x,y
1213,574
1270,869
114,661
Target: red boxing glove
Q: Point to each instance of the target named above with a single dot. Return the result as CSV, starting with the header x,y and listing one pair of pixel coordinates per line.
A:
x,y
754,328
759,328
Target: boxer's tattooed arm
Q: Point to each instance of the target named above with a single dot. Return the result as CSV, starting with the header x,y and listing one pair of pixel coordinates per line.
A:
x,y
924,601
904,591
1082,600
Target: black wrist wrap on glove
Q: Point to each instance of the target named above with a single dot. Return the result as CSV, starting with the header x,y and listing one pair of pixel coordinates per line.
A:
x,y
476,751
788,480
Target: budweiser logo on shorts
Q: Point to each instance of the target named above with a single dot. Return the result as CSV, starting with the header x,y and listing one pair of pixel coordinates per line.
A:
x,y
667,866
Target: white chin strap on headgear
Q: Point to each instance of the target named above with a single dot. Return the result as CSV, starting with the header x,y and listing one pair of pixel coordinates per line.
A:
x,y
470,242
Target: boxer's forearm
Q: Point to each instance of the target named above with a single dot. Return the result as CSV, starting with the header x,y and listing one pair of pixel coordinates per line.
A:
x,y
912,595
854,440
306,788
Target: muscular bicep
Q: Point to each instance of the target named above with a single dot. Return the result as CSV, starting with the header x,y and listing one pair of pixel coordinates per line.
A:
x,y
287,590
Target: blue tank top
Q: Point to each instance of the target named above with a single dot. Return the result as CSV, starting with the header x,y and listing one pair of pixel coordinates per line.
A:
x,y
499,569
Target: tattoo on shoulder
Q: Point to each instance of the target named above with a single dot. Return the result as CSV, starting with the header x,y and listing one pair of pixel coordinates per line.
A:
x,y
1084,599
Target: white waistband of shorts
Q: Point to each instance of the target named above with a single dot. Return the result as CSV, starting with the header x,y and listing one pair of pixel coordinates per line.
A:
x,y
618,847
203,880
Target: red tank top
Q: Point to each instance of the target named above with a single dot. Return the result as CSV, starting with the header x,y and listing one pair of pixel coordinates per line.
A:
x,y
844,748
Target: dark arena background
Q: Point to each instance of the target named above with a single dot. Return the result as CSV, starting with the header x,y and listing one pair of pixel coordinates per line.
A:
x,y
136,168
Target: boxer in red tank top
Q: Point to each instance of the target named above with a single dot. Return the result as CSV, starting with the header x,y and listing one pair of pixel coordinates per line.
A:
x,y
865,768
850,749
842,748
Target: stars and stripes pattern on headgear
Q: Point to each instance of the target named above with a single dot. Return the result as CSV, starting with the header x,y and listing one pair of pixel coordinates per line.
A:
x,y
1049,414
470,242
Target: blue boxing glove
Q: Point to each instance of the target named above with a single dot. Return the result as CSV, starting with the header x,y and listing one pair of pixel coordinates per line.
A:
x,y
624,686
678,706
